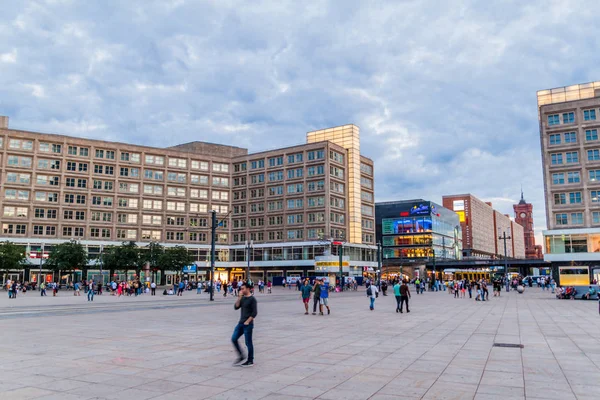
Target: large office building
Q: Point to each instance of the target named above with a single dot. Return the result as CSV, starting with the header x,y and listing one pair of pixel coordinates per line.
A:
x,y
569,123
290,203
484,228
413,232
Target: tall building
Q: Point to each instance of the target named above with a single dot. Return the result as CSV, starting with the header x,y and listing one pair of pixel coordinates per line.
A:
x,y
524,217
413,232
289,203
569,123
482,227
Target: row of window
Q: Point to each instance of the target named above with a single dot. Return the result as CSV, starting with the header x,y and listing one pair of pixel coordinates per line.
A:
x,y
575,218
575,197
558,178
591,135
23,144
295,234
572,157
278,160
569,117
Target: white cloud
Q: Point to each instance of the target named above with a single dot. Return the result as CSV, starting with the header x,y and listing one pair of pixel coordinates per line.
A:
x,y
444,92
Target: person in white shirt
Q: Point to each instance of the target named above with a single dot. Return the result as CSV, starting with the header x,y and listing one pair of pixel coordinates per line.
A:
x,y
153,288
372,294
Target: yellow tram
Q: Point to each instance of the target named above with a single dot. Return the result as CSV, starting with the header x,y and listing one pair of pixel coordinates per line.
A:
x,y
470,274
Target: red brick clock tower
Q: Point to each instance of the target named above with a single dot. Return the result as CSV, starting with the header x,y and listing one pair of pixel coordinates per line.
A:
x,y
524,217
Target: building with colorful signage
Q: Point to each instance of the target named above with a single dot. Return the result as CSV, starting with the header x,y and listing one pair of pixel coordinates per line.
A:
x,y
413,232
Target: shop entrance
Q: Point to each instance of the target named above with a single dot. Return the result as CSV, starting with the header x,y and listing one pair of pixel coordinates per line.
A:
x,y
238,276
222,276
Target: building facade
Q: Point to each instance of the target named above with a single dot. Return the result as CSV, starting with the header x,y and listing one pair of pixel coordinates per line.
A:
x,y
288,203
482,228
569,124
413,232
524,217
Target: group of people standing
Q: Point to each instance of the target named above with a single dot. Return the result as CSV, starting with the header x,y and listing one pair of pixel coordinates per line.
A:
x,y
320,294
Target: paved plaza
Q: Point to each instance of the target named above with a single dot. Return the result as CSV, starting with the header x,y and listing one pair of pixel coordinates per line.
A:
x,y
177,348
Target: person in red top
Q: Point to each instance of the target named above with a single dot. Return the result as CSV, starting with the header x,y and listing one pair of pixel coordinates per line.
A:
x,y
269,284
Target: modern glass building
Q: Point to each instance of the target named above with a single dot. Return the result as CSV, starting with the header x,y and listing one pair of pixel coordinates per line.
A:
x,y
413,232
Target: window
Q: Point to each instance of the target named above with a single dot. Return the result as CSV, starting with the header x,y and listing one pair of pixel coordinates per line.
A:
x,y
316,201
568,118
339,203
175,191
217,181
239,167
575,197
128,203
45,196
589,115
560,198
573,177
595,196
19,144
19,161
216,195
155,175
555,139
596,217
199,179
316,155
152,219
156,160
275,190
556,158
295,188
294,158
153,189
257,164
366,169
594,175
295,203
152,204
591,134
216,167
177,162
577,218
13,177
175,206
593,155
366,210
203,165
366,182
176,177
553,119
200,193
335,156
197,207
274,161
18,212
366,196
570,137
572,157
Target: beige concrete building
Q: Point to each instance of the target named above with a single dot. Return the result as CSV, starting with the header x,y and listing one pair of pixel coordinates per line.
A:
x,y
569,124
288,202
482,227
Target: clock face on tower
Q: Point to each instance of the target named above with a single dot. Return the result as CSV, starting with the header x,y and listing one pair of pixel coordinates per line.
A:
x,y
523,215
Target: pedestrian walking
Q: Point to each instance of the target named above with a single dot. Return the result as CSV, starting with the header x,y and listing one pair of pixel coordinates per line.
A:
x,y
306,290
180,289
404,296
316,296
269,286
324,299
247,303
90,291
54,289
372,293
397,295
153,288
43,289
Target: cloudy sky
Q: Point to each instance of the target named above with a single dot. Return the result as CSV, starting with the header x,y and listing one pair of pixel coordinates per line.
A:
x,y
443,91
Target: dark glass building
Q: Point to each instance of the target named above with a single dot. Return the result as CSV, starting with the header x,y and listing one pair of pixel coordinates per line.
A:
x,y
412,231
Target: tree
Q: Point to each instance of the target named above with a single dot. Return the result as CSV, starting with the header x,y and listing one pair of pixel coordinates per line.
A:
x,y
12,257
67,256
175,258
152,255
128,257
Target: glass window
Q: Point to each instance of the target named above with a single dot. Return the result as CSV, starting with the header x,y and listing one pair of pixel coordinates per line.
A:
x,y
553,119
577,218
556,158
555,139
561,219
560,198
557,179
572,157
594,175
570,137
595,196
589,115
593,155
575,197
591,134
574,177
568,118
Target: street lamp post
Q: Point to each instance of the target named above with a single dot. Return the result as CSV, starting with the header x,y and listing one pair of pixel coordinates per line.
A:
x,y
504,237
40,273
249,248
213,231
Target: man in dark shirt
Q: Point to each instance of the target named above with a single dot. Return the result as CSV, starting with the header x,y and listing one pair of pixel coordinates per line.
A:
x,y
247,303
317,295
404,296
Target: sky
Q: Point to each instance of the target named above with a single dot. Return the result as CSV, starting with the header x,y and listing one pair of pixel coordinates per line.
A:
x,y
444,92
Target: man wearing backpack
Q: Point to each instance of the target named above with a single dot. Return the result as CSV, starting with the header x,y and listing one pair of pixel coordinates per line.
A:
x,y
372,293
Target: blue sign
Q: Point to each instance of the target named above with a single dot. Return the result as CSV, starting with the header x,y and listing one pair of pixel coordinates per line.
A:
x,y
421,209
189,269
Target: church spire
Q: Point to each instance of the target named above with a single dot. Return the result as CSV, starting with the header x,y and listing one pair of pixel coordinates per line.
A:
x,y
522,201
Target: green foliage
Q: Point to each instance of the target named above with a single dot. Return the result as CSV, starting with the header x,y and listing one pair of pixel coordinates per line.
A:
x,y
67,256
12,257
175,258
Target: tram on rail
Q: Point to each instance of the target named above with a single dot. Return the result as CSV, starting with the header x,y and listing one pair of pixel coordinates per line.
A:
x,y
451,274
578,275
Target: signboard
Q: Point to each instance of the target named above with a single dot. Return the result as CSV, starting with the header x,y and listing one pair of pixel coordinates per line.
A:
x,y
458,205
461,216
387,226
189,269
37,254
421,209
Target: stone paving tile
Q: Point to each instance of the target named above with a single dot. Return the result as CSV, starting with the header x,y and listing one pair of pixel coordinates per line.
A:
x,y
443,349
